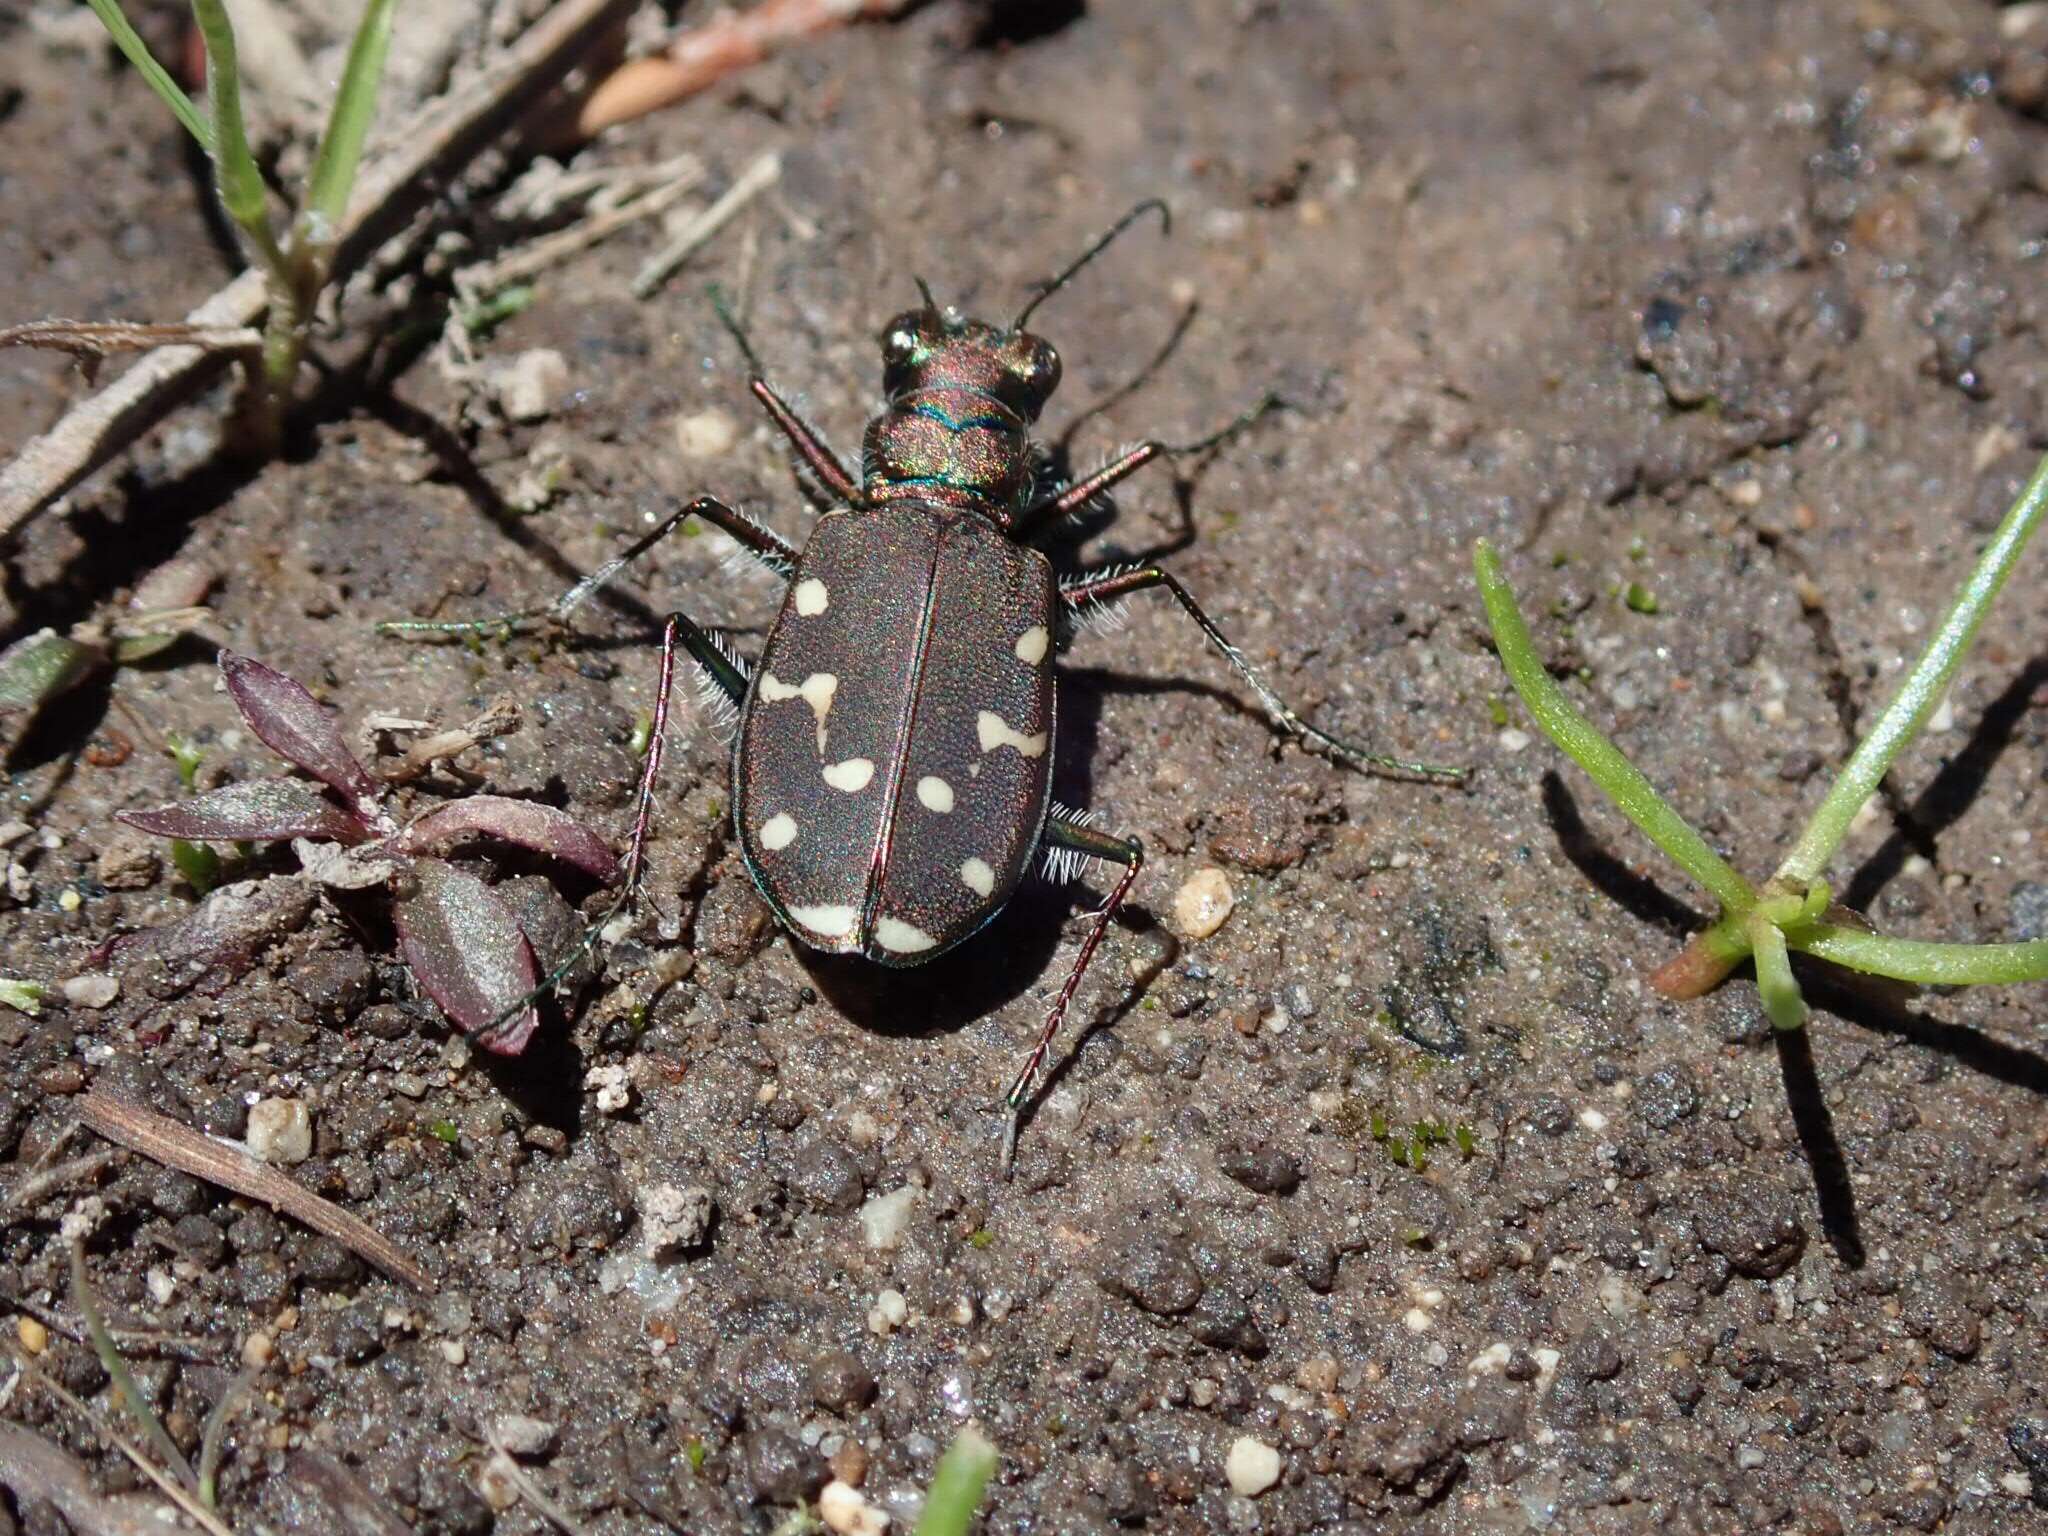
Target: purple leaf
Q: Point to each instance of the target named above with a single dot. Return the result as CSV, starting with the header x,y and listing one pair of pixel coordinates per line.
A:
x,y
522,823
259,809
469,952
300,729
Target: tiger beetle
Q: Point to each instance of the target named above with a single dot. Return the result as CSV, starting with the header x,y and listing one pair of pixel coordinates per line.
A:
x,y
892,772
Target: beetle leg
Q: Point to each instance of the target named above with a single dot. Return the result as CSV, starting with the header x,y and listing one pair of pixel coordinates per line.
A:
x,y
1080,838
727,677
804,438
762,543
1049,513
1080,594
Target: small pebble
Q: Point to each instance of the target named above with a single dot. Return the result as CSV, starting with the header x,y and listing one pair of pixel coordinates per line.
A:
x,y
35,1338
1203,902
706,434
883,1219
280,1131
1252,1467
497,1482
673,1220
258,1350
522,1434
890,1312
92,991
614,1092
844,1508
531,385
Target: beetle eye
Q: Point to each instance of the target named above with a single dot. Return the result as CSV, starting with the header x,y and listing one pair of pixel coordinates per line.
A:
x,y
899,346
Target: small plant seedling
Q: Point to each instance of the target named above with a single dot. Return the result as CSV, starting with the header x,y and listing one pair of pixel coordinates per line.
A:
x,y
1793,910
958,1485
461,939
892,783
295,255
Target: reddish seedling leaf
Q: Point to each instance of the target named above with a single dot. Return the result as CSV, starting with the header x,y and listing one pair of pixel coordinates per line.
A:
x,y
468,950
300,729
522,823
258,810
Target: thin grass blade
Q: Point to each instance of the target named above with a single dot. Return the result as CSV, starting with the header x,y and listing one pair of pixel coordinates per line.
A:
x,y
1932,965
117,1370
137,53
236,177
1582,742
348,124
1920,690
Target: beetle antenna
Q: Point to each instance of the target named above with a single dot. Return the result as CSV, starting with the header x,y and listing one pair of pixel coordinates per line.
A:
x,y
732,329
1150,205
925,291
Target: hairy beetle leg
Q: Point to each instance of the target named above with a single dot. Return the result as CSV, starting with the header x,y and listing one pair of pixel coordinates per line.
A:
x,y
1076,837
824,463
762,543
1088,591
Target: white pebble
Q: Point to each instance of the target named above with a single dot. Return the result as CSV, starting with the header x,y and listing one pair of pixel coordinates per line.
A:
x,y
1252,1466
522,1434
92,991
530,385
280,1131
883,1218
890,1312
1203,903
844,1508
705,434
673,1219
614,1091
1593,1120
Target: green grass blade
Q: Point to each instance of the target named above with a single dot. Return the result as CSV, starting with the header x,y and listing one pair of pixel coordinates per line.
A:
x,y
1931,965
124,1381
355,106
235,175
957,1486
1920,690
1774,980
1583,743
137,53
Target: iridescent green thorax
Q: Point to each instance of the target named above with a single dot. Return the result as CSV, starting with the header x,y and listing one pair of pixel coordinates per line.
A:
x,y
962,397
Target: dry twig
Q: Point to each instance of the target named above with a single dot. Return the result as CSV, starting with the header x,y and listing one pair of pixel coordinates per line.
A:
x,y
753,181
166,1141
35,1469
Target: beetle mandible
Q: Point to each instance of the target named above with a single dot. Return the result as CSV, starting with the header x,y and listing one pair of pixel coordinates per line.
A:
x,y
892,772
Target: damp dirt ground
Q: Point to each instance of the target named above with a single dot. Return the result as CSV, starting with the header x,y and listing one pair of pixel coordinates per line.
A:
x,y
1737,304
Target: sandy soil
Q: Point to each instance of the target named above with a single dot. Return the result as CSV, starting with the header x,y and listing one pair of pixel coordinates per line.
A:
x,y
1739,302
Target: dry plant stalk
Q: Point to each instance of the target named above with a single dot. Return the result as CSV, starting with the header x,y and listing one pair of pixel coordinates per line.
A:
x,y
164,1140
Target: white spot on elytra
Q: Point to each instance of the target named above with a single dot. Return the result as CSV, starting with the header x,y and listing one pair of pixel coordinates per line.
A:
x,y
832,922
816,690
996,732
811,597
892,933
1031,645
934,793
778,831
852,776
978,877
